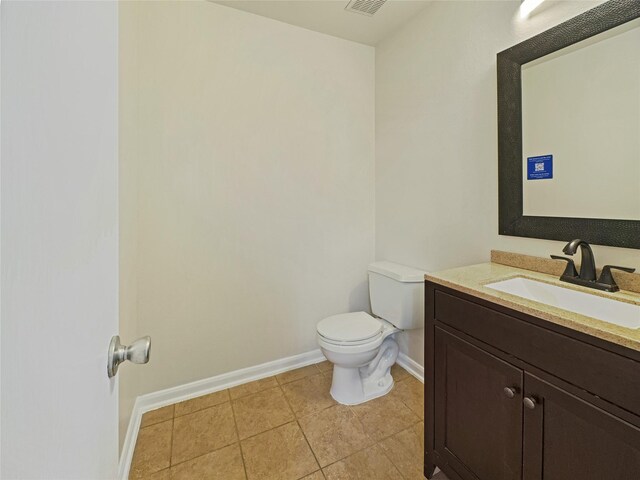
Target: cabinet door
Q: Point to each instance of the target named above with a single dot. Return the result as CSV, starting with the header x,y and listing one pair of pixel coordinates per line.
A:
x,y
478,424
566,437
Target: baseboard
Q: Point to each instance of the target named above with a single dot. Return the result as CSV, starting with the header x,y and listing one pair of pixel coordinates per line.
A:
x,y
411,366
152,401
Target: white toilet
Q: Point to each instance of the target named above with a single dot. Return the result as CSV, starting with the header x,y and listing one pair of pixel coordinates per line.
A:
x,y
360,346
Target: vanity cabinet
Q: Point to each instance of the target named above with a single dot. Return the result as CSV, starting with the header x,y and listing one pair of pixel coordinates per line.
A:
x,y
509,396
477,427
567,437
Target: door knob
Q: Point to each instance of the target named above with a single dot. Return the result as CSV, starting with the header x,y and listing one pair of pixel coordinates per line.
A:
x,y
137,352
529,402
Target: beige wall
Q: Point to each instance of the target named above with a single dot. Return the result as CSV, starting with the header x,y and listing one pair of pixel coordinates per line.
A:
x,y
436,138
247,187
247,176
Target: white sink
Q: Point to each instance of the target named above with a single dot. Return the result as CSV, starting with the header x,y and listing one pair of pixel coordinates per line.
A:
x,y
606,309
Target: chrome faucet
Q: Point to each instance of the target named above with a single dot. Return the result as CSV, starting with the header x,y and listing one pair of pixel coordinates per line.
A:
x,y
587,275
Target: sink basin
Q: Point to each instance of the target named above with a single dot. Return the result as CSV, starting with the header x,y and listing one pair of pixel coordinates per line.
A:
x,y
594,306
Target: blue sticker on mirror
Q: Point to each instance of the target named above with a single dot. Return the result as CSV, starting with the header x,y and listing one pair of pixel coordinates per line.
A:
x,y
540,168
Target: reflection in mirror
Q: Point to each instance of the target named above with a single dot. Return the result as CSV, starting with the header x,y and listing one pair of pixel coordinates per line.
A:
x,y
581,129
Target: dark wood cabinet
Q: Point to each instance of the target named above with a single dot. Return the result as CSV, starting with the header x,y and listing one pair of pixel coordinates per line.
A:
x,y
566,437
479,423
509,396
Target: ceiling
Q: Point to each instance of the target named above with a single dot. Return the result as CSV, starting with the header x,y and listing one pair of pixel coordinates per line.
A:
x,y
330,16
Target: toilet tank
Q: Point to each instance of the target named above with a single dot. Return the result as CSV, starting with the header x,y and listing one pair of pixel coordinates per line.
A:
x,y
397,294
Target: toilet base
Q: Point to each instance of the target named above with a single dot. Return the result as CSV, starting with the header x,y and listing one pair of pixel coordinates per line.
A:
x,y
346,397
353,385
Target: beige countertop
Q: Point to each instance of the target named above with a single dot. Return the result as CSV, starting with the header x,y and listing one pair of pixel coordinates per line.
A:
x,y
472,280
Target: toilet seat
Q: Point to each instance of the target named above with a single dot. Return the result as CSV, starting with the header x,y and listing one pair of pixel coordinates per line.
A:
x,y
355,332
355,328
350,347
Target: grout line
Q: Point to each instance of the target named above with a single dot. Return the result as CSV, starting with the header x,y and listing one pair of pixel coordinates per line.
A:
x,y
384,452
197,457
402,401
367,448
257,391
235,424
202,454
304,435
376,442
154,423
298,415
387,454
138,437
300,428
173,426
146,477
203,408
363,430
269,429
280,383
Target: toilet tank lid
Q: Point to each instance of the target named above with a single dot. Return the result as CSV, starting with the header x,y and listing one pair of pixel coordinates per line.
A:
x,y
398,272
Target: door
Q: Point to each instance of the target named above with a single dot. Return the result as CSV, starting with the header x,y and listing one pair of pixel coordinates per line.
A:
x,y
478,411
566,437
59,239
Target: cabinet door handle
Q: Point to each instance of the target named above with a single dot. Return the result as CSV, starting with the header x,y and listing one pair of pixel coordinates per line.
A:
x,y
529,402
510,392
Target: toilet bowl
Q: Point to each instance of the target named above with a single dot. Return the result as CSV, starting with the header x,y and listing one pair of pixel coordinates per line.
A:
x,y
362,347
362,350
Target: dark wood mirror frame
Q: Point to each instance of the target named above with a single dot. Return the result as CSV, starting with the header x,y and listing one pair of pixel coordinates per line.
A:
x,y
618,233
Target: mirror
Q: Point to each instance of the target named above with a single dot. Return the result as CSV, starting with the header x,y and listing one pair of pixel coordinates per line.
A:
x,y
581,128
569,130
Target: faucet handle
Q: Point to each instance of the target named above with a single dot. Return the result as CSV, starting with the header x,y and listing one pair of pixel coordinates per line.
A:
x,y
570,271
606,278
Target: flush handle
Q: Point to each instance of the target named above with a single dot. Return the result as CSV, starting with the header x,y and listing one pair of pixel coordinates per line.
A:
x,y
137,352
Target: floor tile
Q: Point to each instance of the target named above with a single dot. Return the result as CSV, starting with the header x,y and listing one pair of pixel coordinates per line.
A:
x,y
252,387
161,475
334,433
369,464
262,411
314,476
157,416
223,464
384,416
200,403
153,450
411,392
309,395
279,454
406,451
398,373
202,432
325,366
198,438
297,374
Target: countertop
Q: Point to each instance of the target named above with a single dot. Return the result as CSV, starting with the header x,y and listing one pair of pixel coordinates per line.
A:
x,y
472,280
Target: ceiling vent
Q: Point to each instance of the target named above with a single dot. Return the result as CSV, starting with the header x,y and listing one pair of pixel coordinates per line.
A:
x,y
364,7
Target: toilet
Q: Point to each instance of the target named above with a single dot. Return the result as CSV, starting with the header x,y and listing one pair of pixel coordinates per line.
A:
x,y
362,347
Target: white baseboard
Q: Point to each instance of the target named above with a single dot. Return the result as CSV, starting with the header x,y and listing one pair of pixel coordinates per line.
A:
x,y
411,366
152,401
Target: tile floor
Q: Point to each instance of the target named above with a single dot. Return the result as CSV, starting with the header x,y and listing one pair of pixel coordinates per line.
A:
x,y
285,427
